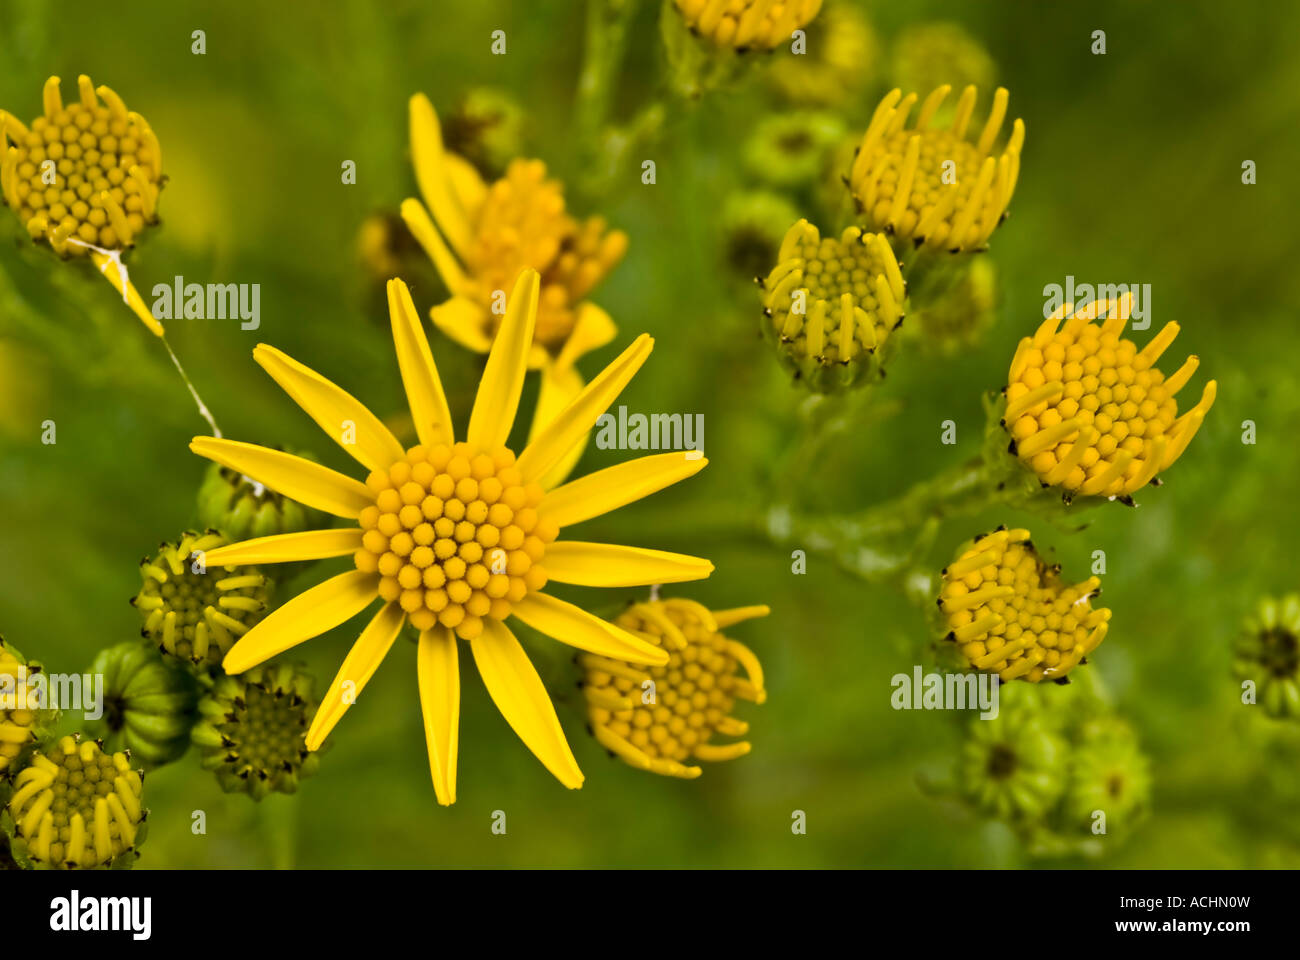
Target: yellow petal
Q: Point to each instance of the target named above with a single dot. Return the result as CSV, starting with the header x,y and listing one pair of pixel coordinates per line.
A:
x,y
419,373
572,625
358,667
427,155
288,548
613,565
592,329
575,420
298,479
307,615
439,676
114,274
507,364
464,321
729,618
559,386
466,184
421,226
517,690
343,417
606,490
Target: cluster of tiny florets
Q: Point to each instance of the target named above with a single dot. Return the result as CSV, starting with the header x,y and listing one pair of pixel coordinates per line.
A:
x,y
455,536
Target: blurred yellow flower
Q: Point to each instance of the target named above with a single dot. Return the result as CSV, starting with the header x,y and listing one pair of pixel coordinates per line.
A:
x,y
17,720
481,236
1089,412
454,537
1010,613
660,717
936,186
747,24
85,179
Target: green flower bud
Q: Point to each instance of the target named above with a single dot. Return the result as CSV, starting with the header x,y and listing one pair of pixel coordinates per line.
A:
x,y
955,316
486,128
791,150
1267,653
1011,766
1108,774
149,703
252,730
75,807
194,611
754,222
242,510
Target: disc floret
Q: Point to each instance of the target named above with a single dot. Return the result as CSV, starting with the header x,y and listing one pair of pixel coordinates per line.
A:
x,y
455,536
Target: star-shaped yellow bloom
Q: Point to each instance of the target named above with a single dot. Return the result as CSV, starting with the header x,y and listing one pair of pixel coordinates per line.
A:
x,y
453,536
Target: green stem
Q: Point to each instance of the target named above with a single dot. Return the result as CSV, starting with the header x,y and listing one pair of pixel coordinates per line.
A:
x,y
604,44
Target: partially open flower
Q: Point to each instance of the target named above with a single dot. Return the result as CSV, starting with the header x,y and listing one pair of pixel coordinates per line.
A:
x,y
1011,614
936,187
194,612
660,718
747,24
85,179
76,807
1090,413
1012,765
18,721
1268,654
1109,775
831,305
481,237
253,730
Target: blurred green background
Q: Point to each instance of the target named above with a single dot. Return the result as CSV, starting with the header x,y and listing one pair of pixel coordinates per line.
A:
x,y
1131,173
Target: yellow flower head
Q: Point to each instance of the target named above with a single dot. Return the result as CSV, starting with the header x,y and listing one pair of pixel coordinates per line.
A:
x,y
747,24
481,236
454,536
832,304
17,725
936,186
84,175
192,611
1011,614
77,806
659,718
1089,412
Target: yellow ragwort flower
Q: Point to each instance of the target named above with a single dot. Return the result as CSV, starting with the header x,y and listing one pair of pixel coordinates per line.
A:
x,y
480,237
77,806
1089,412
659,718
832,304
1010,613
17,720
85,179
936,186
747,24
454,537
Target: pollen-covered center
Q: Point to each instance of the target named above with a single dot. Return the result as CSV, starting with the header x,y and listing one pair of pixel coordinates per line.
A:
x,y
266,731
89,171
1091,413
455,536
1011,614
77,806
834,300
